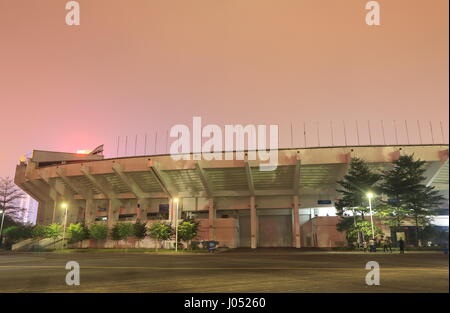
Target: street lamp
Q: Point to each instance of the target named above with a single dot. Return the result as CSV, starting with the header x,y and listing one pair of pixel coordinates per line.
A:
x,y
176,224
370,196
2,211
64,206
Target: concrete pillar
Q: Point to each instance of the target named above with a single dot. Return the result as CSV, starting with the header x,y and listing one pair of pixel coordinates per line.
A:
x,y
113,212
90,211
141,211
48,212
40,219
253,224
211,220
296,223
55,208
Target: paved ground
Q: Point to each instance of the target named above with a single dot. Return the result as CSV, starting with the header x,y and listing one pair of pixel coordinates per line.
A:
x,y
281,270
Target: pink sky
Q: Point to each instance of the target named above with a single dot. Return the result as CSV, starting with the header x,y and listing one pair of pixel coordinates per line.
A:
x,y
133,67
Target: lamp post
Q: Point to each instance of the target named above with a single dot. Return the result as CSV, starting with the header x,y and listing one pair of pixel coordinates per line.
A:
x,y
370,196
64,206
176,224
2,211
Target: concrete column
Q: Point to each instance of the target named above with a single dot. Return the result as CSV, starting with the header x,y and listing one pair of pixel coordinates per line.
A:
x,y
296,222
48,212
141,212
90,212
211,220
113,212
253,224
40,219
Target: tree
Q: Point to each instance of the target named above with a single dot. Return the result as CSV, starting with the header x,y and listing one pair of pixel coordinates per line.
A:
x,y
98,231
121,231
160,231
77,232
10,194
408,197
115,234
187,230
354,228
39,232
53,231
16,233
354,187
139,230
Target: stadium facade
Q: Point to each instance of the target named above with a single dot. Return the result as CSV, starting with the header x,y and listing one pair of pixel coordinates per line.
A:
x,y
237,204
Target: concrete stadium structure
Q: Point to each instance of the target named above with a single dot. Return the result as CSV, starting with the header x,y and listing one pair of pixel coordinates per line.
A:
x,y
236,203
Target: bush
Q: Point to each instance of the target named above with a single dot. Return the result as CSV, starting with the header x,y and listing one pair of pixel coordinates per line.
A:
x,y
98,231
17,233
139,230
39,232
160,231
121,231
53,231
187,230
77,232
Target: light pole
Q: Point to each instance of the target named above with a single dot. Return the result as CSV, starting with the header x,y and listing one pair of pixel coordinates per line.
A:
x,y
176,224
370,196
64,206
2,211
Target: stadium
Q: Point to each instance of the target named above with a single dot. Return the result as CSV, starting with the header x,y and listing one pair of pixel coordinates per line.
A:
x,y
235,202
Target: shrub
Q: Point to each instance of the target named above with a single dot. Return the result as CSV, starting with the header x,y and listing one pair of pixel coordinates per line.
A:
x,y
160,231
98,231
187,230
53,231
77,232
121,231
17,233
39,231
139,230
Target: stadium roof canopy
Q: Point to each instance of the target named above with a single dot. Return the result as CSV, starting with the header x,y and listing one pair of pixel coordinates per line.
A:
x,y
310,173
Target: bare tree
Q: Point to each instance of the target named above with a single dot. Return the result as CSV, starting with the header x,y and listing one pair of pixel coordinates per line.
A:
x,y
10,196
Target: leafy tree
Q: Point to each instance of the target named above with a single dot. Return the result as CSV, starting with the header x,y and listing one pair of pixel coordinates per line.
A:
x,y
160,231
435,234
139,230
39,231
17,233
354,187
354,228
187,230
115,235
121,231
9,196
126,230
77,232
408,196
392,215
53,231
98,231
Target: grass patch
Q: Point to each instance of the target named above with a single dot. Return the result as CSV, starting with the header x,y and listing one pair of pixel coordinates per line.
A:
x,y
113,250
393,249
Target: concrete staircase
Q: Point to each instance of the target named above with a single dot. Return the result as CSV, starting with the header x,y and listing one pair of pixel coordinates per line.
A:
x,y
39,244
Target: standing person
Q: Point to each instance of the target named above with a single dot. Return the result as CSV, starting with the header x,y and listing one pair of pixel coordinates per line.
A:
x,y
372,245
364,246
401,245
387,245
